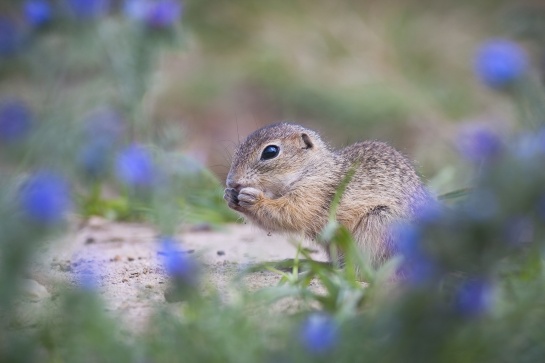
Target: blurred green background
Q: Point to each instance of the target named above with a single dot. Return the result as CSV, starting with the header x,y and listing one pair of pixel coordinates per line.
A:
x,y
399,71
131,112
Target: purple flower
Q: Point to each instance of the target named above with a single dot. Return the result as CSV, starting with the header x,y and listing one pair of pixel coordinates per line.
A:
x,y
10,37
500,62
180,266
37,12
474,297
157,14
318,333
45,197
15,121
479,143
134,167
87,9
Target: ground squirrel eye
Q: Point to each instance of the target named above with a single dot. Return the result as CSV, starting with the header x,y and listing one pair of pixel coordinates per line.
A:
x,y
270,152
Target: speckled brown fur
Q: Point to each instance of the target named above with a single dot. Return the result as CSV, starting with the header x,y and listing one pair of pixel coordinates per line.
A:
x,y
293,192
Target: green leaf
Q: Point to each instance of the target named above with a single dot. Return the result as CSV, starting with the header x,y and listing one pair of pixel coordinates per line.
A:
x,y
455,194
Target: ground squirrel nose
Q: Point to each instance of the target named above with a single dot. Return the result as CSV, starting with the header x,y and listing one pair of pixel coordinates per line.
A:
x,y
231,184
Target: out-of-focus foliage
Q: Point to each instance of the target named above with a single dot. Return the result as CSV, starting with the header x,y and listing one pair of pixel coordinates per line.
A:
x,y
86,129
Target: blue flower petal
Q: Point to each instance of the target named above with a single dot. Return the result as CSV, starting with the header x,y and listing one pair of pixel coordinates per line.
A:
x,y
157,14
15,121
164,13
134,167
10,37
474,297
178,264
479,143
318,333
37,12
87,9
45,197
500,62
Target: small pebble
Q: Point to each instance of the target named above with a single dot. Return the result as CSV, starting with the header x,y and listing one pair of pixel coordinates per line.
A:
x,y
149,286
220,253
64,266
125,280
130,258
173,295
33,291
89,240
96,222
201,227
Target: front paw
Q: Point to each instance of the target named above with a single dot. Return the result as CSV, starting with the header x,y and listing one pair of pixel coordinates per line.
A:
x,y
249,197
231,197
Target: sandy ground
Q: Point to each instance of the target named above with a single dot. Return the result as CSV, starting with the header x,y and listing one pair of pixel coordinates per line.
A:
x,y
123,262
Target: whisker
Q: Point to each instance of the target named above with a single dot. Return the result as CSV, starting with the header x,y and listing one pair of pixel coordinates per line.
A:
x,y
238,133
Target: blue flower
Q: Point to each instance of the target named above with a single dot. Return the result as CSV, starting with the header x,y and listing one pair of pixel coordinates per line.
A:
x,y
530,145
105,124
318,333
500,62
474,297
37,12
134,167
103,130
87,278
15,121
157,14
10,37
94,158
87,9
164,13
479,143
541,207
417,267
178,264
45,197
429,212
137,9
407,237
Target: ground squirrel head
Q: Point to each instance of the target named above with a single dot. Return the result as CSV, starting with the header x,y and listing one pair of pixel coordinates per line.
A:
x,y
274,158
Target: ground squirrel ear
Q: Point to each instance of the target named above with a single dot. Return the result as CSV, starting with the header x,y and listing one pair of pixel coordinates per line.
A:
x,y
307,141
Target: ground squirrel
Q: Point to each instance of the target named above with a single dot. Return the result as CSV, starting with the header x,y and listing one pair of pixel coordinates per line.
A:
x,y
283,178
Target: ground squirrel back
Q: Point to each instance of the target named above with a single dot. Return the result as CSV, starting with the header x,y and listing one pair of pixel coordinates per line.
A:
x,y
283,178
